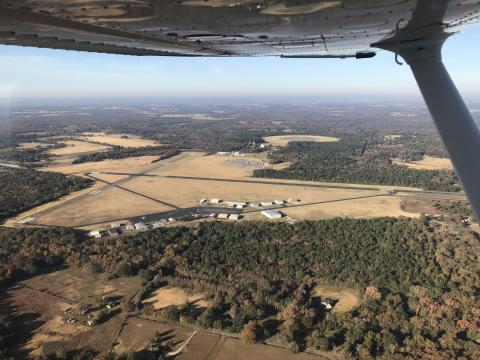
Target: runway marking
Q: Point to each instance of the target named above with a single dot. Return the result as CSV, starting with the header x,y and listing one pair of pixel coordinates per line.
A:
x,y
27,220
95,192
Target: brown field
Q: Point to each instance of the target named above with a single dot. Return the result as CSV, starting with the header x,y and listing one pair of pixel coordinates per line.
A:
x,y
110,204
200,347
134,164
77,147
428,163
176,296
236,349
80,285
31,145
116,139
12,222
347,298
283,140
38,305
137,332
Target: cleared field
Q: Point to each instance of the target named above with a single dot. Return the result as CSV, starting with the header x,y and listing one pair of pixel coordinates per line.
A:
x,y
12,222
347,298
128,165
427,163
125,140
80,285
39,303
236,349
31,145
137,332
176,296
108,205
283,140
77,147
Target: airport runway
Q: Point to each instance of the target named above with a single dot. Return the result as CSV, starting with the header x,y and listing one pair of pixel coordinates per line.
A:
x,y
181,212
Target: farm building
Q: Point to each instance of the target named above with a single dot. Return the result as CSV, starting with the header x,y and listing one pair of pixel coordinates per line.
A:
x,y
272,214
222,216
236,204
254,205
234,216
293,201
130,227
203,201
140,226
279,202
267,203
95,233
216,201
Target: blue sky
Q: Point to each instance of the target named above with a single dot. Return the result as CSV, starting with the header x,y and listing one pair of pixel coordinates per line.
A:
x,y
43,73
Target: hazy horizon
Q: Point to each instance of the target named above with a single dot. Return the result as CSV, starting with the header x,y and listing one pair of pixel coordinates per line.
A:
x,y
44,75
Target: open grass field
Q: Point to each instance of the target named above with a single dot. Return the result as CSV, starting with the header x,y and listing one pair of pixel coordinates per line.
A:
x,y
428,163
39,303
125,140
283,140
77,147
31,145
236,349
109,204
347,298
80,285
128,165
176,296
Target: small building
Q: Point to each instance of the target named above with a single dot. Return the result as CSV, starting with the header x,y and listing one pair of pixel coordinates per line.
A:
x,y
293,201
171,220
255,205
272,214
130,227
114,232
328,304
234,216
140,226
216,201
115,225
279,202
95,233
222,216
203,201
267,203
213,215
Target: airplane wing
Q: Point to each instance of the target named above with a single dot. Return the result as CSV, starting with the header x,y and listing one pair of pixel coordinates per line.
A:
x,y
413,29
289,28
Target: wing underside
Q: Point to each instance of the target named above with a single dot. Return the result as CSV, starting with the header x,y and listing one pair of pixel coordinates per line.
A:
x,y
291,28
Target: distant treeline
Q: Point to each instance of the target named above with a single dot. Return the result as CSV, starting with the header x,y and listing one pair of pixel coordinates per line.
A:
x,y
119,152
343,162
22,189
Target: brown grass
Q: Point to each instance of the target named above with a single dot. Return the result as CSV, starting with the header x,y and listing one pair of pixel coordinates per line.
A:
x,y
133,165
283,140
77,147
427,163
176,296
236,349
108,205
347,298
116,139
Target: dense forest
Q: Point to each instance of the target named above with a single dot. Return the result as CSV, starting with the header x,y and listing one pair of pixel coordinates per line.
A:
x,y
119,152
22,189
420,280
348,161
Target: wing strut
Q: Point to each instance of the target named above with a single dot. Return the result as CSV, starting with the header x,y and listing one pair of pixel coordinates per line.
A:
x,y
457,128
